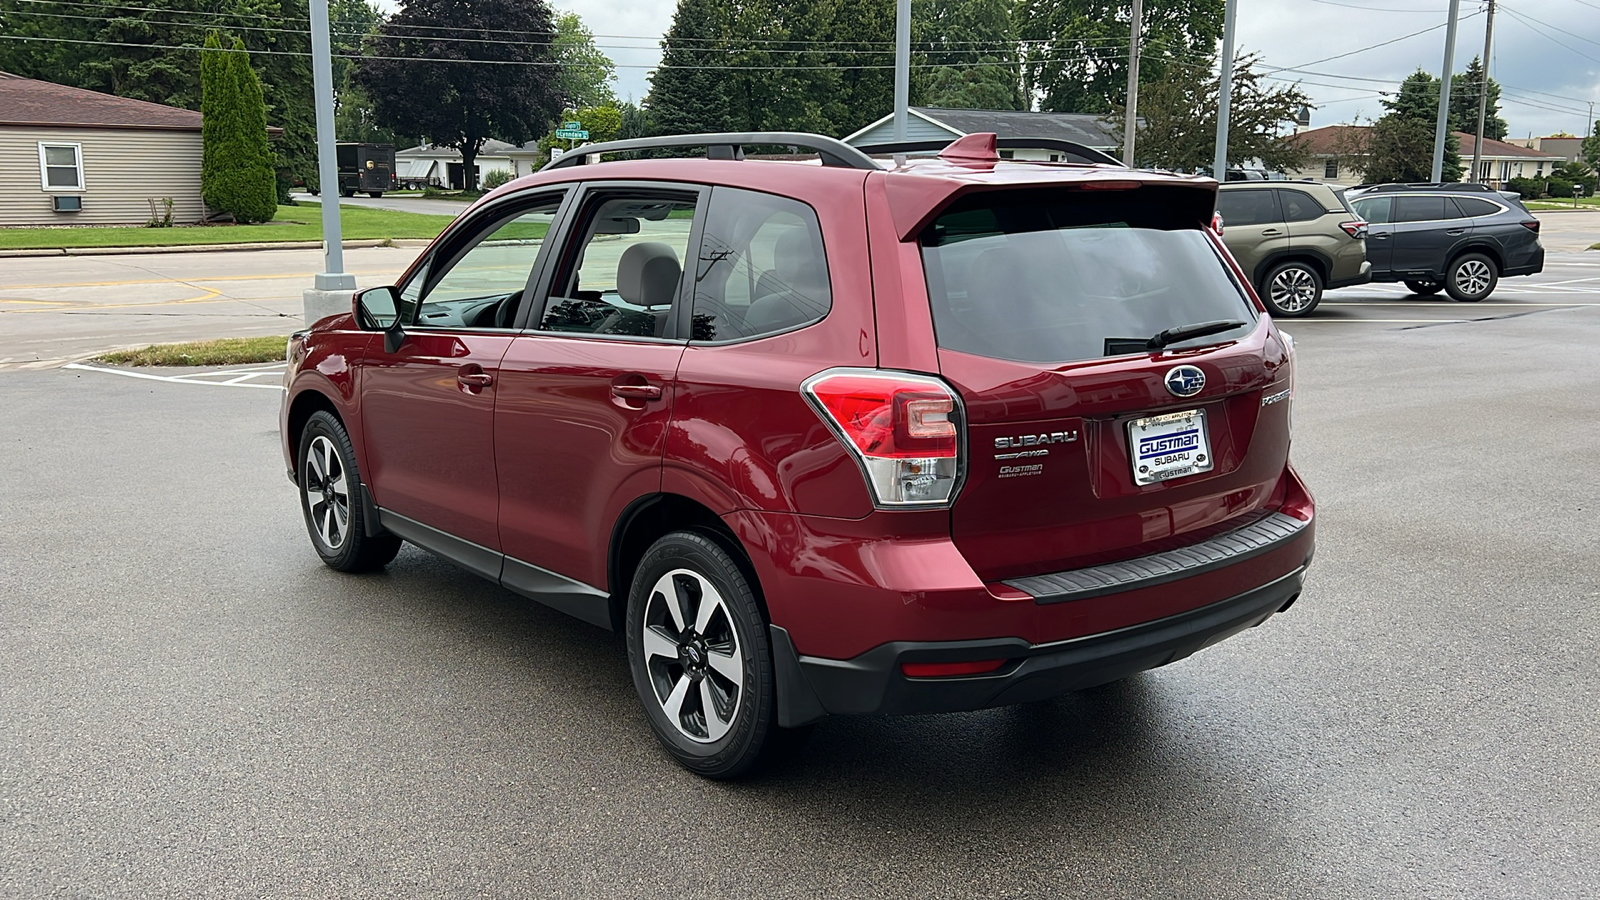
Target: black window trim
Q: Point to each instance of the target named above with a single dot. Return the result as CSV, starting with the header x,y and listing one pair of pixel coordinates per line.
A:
x,y
457,243
571,220
1318,205
685,316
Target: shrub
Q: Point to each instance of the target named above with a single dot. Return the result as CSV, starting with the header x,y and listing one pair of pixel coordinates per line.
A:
x,y
1529,188
496,178
236,166
160,213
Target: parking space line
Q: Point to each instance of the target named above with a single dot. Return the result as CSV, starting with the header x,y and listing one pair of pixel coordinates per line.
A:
x,y
192,378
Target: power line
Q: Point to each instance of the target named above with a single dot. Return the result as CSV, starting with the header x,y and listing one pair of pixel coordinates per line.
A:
x,y
1397,40
1535,29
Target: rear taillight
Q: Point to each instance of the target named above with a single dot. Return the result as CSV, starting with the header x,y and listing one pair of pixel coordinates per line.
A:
x,y
1355,228
1532,225
1216,223
904,430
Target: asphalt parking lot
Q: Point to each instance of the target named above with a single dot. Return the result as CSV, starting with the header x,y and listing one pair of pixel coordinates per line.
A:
x,y
194,706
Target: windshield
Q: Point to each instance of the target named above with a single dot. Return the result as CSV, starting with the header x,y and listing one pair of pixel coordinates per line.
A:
x,y
1072,277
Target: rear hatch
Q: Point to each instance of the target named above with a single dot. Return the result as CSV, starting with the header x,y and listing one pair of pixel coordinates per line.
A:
x,y
1087,440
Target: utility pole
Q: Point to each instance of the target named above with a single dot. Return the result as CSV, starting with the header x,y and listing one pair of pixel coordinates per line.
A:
x,y
1442,126
331,289
902,70
1131,118
1483,94
1219,164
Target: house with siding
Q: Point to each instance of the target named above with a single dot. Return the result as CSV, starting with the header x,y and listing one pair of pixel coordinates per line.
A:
x,y
1330,162
927,123
74,157
430,164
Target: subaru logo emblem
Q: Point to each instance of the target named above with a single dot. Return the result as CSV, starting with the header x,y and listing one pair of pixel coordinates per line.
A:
x,y
1185,381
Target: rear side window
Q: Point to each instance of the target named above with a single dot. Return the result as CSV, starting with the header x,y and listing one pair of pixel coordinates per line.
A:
x,y
1374,209
1247,207
1070,275
762,267
1297,207
1420,209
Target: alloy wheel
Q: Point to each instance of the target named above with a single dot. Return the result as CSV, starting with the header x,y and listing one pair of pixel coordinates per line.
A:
x,y
1473,276
1293,290
327,493
693,656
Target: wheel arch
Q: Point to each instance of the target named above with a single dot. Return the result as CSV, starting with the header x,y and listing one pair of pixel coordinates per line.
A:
x,y
648,519
304,405
1276,258
1481,247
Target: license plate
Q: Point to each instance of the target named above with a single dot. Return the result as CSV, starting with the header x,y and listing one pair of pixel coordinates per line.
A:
x,y
1169,446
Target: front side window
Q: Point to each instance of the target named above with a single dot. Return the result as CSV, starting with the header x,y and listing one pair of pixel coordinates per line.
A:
x,y
1063,276
623,265
1252,207
61,167
762,268
483,286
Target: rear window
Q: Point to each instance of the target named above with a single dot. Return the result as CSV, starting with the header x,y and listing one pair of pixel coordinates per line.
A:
x,y
1062,276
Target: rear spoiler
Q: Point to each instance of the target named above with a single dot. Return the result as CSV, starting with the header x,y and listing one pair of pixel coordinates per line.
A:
x,y
1072,151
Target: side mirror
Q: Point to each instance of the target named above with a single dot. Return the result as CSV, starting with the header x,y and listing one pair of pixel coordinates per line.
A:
x,y
378,309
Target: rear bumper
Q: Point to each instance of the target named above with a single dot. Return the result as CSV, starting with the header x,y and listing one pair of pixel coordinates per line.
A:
x,y
873,682
1531,266
1362,276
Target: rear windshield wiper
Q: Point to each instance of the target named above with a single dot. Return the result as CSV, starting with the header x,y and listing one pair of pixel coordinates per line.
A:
x,y
1119,346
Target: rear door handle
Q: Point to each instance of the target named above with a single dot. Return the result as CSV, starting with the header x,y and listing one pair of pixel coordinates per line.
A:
x,y
470,379
1456,231
1271,232
637,391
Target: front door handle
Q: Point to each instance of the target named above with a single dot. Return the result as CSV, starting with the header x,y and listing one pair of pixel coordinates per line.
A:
x,y
1379,235
1271,232
474,378
637,391
1456,231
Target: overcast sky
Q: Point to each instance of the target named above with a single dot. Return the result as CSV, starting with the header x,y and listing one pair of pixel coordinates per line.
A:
x,y
1547,87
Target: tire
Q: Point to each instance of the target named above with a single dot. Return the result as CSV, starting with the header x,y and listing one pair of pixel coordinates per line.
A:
x,y
347,193
1424,288
1292,290
1471,277
703,672
329,499
374,194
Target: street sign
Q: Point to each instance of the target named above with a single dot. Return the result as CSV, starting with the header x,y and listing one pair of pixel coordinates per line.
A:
x,y
571,126
556,153
572,134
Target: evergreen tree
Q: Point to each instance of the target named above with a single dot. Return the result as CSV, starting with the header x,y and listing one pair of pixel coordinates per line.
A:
x,y
685,97
1081,61
236,171
1591,146
967,53
863,35
1465,89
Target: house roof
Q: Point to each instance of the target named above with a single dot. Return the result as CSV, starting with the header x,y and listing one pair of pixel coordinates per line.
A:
x,y
27,101
1083,128
1326,141
491,147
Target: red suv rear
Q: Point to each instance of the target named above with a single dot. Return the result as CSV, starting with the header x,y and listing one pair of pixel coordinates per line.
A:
x,y
857,437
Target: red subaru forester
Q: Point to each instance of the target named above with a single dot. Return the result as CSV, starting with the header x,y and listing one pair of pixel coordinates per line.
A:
x,y
844,436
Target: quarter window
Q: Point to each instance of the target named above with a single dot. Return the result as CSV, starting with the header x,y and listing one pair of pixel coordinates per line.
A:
x,y
1472,206
61,167
621,272
762,267
1297,207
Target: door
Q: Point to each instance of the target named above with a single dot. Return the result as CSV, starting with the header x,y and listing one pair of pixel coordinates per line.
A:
x,y
586,391
428,407
1426,226
1087,445
1377,211
1252,227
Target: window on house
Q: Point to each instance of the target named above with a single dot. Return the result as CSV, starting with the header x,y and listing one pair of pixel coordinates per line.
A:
x,y
60,167
1330,169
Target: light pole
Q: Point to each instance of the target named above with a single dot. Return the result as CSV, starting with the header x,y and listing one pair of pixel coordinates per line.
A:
x,y
902,69
1131,116
1219,164
1443,123
331,289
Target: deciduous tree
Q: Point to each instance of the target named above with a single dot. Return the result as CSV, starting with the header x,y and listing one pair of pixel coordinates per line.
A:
x,y
1077,55
443,69
967,55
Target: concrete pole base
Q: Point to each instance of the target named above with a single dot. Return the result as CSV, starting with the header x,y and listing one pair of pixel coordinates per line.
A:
x,y
321,304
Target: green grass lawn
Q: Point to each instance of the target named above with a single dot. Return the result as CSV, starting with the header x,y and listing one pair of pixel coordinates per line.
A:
x,y
223,352
293,223
1558,203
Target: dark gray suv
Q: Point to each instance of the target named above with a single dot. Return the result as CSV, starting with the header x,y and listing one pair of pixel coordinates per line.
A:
x,y
1458,238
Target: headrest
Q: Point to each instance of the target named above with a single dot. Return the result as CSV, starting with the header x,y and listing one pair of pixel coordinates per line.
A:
x,y
795,259
648,274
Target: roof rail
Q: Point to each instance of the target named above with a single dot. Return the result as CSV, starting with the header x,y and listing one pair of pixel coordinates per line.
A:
x,y
1083,152
727,146
1456,186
